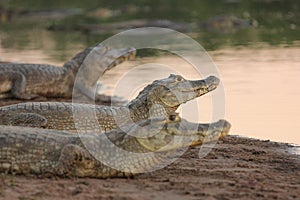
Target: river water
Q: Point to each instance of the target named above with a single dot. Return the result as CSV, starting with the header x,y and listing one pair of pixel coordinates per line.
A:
x,y
261,86
262,91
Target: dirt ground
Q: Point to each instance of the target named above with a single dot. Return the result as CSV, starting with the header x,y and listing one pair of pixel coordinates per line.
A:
x,y
236,168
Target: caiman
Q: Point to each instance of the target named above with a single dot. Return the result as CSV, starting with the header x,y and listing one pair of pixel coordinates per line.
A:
x,y
160,98
29,81
46,152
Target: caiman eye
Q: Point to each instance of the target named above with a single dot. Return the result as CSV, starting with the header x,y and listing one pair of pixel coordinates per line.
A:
x,y
172,117
179,78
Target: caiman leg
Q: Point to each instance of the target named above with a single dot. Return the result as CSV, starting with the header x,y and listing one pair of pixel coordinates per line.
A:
x,y
16,83
29,119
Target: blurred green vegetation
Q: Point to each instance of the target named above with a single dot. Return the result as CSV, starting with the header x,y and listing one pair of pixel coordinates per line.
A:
x,y
278,20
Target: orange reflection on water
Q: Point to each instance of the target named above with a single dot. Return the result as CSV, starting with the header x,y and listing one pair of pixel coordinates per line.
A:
x,y
261,88
262,92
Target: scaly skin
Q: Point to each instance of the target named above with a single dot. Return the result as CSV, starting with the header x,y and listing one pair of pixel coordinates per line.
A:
x,y
43,152
160,98
29,81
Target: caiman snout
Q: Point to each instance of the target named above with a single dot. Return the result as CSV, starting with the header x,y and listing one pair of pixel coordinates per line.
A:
x,y
212,82
225,127
217,129
205,85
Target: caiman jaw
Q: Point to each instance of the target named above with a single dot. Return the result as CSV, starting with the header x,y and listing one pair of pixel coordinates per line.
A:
x,y
215,131
221,126
184,134
202,87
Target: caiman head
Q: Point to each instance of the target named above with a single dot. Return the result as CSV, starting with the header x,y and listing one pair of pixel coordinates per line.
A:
x,y
174,133
105,56
171,92
141,152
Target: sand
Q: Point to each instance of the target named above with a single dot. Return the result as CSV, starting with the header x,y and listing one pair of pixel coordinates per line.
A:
x,y
236,168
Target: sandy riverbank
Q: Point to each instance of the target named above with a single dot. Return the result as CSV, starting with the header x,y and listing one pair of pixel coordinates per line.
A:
x,y
237,168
